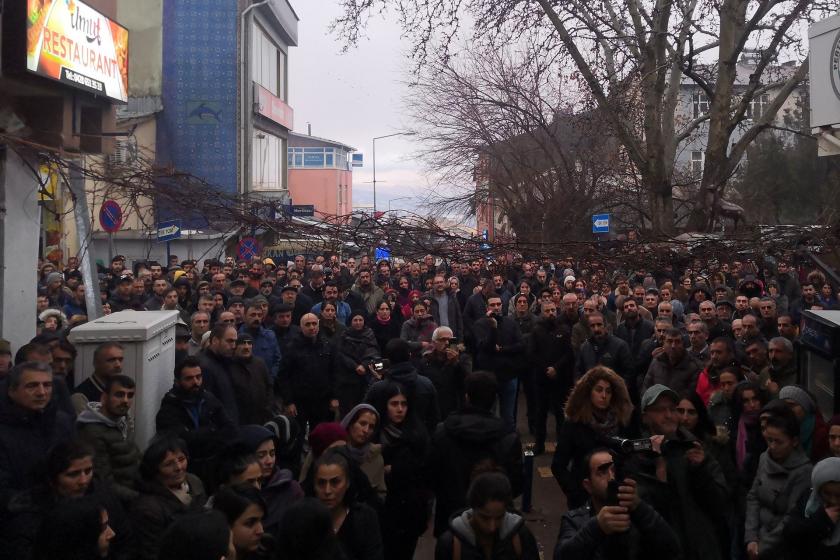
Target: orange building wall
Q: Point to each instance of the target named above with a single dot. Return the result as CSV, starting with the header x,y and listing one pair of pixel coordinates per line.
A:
x,y
319,187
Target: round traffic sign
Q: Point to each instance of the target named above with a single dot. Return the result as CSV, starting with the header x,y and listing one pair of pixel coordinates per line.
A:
x,y
110,216
248,248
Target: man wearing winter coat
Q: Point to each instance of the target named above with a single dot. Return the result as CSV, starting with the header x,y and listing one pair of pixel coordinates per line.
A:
x,y
628,528
674,367
195,415
30,423
604,349
216,362
469,438
106,426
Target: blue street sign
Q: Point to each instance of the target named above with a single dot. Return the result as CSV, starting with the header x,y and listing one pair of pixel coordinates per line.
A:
x,y
382,254
169,230
600,223
357,160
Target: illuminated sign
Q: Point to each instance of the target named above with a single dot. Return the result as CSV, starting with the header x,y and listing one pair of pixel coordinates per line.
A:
x,y
69,41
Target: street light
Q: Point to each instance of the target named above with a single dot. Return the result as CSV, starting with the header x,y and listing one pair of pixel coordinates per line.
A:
x,y
374,161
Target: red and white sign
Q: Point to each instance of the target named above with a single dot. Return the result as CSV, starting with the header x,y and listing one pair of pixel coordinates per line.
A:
x,y
272,107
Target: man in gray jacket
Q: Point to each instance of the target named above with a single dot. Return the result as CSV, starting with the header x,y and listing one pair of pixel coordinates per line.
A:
x,y
674,367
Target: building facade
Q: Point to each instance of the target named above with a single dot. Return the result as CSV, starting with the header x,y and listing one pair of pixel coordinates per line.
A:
x,y
320,174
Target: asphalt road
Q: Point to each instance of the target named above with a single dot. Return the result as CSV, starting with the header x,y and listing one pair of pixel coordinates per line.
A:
x,y
549,503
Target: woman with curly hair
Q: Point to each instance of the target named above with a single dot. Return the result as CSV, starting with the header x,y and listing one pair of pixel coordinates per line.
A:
x,y
597,410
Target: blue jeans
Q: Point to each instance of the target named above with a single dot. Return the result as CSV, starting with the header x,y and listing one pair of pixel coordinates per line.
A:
x,y
507,392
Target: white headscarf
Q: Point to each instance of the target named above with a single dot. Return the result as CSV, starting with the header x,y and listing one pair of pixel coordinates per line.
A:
x,y
827,470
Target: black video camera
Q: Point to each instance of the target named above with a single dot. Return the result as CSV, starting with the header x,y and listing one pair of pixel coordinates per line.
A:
x,y
627,446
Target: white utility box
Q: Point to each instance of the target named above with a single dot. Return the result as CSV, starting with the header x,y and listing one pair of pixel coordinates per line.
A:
x,y
148,338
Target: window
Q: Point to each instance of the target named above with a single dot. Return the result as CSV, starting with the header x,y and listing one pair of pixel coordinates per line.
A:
x,y
698,158
699,104
267,165
268,63
758,106
317,158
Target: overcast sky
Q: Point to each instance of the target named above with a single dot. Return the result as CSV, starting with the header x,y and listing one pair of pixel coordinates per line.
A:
x,y
353,97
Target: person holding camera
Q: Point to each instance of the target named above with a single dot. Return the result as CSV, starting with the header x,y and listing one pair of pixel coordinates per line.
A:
x,y
446,364
680,480
615,523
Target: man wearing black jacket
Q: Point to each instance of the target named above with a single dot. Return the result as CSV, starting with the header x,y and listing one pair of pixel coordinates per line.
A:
x,y
216,362
626,529
553,362
195,415
469,440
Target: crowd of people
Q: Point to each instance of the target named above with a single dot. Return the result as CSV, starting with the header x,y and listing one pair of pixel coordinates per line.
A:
x,y
339,408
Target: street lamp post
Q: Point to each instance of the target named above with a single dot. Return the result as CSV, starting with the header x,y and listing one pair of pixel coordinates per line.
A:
x,y
374,161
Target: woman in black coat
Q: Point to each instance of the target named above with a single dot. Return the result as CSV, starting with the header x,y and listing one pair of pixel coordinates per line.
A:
x,y
167,491
384,324
357,349
405,445
597,411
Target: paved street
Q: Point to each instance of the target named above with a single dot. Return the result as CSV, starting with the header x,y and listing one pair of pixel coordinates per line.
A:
x,y
548,500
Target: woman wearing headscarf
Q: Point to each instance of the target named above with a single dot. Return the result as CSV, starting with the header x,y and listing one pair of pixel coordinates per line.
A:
x,y
813,529
357,349
814,430
361,424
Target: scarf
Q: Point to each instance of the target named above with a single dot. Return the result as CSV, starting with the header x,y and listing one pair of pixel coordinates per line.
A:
x,y
358,454
391,434
827,470
608,426
745,422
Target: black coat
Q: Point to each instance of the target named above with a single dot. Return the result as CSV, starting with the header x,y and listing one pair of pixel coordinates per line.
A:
x,y
25,439
215,370
385,331
634,336
506,362
649,537
359,536
306,370
252,388
355,348
612,353
462,441
803,536
156,509
448,378
406,503
550,346
421,394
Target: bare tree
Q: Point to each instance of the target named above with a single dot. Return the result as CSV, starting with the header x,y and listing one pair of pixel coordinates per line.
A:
x,y
498,126
634,58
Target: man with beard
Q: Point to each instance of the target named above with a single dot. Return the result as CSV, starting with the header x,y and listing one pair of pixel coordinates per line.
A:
x,y
159,288
674,367
553,362
330,295
251,383
284,330
787,328
106,427
742,306
263,341
633,329
782,370
604,349
708,314
215,361
721,355
368,292
195,415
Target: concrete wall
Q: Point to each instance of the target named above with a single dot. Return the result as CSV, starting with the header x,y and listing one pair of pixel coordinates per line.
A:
x,y
19,228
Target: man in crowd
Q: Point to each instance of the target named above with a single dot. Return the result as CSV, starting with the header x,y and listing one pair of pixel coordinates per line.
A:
x,y
633,329
30,424
106,427
605,349
721,355
769,318
215,362
199,324
674,367
708,314
698,335
444,308
369,293
107,361
284,330
330,295
605,527
263,342
251,383
782,370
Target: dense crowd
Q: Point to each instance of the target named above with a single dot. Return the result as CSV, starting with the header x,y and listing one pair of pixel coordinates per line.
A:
x,y
339,408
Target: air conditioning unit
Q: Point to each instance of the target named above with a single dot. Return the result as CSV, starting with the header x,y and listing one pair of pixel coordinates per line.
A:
x,y
125,151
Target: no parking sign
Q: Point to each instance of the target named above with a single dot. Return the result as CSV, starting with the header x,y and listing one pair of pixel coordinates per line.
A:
x,y
248,248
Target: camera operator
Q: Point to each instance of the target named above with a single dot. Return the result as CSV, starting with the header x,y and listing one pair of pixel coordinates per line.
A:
x,y
615,523
446,364
679,479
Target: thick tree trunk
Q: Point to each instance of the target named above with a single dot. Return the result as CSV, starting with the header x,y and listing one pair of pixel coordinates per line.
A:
x,y
661,203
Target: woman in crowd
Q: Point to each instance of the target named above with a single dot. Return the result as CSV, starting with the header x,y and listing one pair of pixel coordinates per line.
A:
x,y
488,529
75,530
361,424
828,297
244,509
238,464
784,473
279,489
69,470
357,350
384,324
524,290
455,291
405,445
166,491
522,314
696,419
597,410
355,524
781,299
813,529
331,327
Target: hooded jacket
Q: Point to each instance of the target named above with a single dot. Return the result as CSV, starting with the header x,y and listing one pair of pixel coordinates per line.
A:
x,y
117,458
422,396
25,438
465,439
775,491
514,541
